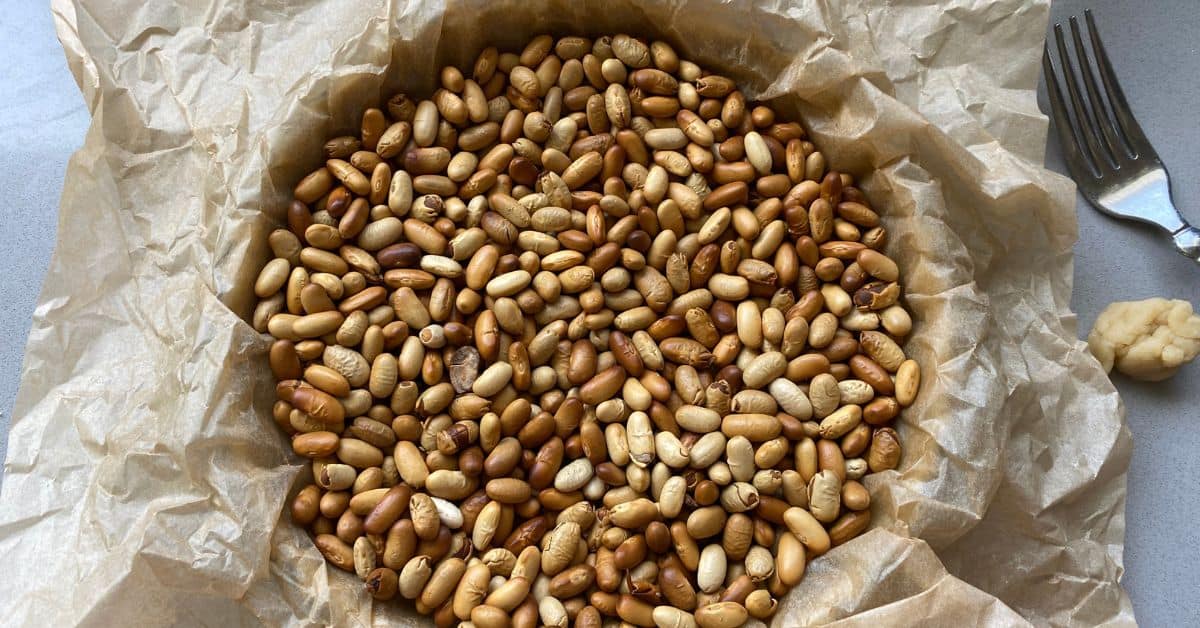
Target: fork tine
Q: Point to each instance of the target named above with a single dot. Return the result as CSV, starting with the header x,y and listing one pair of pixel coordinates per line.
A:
x,y
1076,161
1099,112
1100,159
1131,132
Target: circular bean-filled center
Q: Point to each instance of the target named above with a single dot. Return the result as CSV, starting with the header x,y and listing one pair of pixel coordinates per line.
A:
x,y
583,337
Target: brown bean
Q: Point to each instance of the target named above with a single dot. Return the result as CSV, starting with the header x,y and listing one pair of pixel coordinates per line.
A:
x,y
508,490
315,444
885,450
881,410
603,385
635,611
336,551
389,508
285,364
488,616
633,514
871,372
572,581
305,505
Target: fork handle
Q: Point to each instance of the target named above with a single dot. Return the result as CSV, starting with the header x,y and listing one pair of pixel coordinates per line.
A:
x,y
1187,241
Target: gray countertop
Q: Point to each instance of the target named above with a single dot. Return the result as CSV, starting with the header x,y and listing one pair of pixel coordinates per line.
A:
x,y
1154,51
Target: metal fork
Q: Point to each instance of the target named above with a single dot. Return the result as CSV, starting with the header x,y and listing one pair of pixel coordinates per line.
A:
x,y
1110,158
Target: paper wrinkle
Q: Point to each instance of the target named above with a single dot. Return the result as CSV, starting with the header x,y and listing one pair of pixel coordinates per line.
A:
x,y
146,482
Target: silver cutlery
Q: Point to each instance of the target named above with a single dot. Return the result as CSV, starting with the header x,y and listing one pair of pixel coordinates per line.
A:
x,y
1108,155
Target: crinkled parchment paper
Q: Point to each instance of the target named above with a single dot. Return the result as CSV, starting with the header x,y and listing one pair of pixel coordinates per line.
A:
x,y
145,479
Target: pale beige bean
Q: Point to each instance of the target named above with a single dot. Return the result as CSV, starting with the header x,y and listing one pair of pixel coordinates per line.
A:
x,y
730,287
364,557
753,402
824,496
760,563
380,233
383,376
670,499
671,451
757,153
824,394
739,454
493,379
640,437
272,278
552,612
349,363
711,573
697,419
706,451
425,123
836,299
449,514
769,240
896,321
791,398
814,166
560,547
822,330
336,477
795,491
795,337
855,468
449,484
573,476
739,497
665,139
509,283
400,193
764,369
908,382
858,320
617,105
486,524
687,381
855,391
670,617
749,324
414,576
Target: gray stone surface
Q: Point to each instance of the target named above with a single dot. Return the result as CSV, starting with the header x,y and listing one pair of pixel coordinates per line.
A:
x,y
42,121
1154,50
